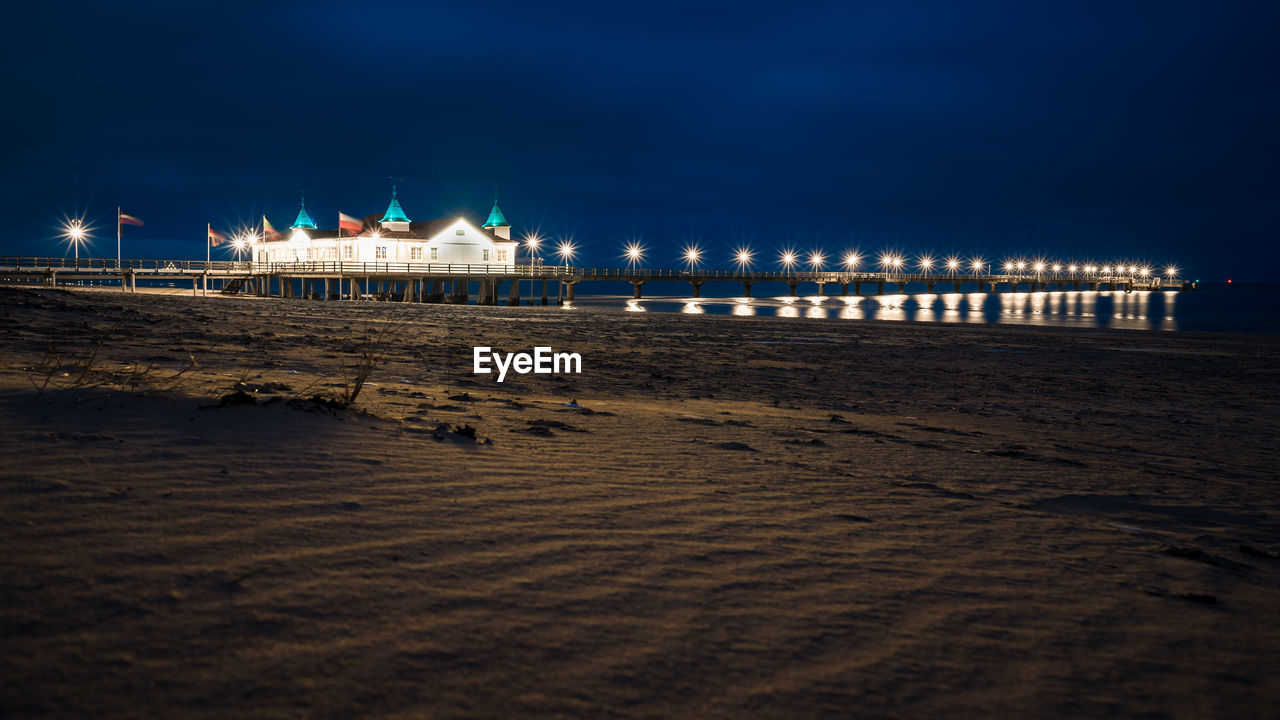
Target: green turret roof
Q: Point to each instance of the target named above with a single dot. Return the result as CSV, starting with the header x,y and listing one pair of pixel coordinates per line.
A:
x,y
394,212
496,218
304,219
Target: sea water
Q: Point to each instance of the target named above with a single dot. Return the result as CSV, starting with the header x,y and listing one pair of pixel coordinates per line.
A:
x,y
1251,308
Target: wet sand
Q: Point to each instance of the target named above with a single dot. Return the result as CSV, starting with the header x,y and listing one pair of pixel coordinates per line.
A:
x,y
721,517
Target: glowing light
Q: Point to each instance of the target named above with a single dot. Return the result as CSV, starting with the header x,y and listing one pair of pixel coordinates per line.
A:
x,y
1133,269
532,241
634,252
1008,266
692,254
1144,272
1039,267
742,257
1057,268
1091,269
926,262
1106,269
1022,265
816,259
376,235
76,233
1171,272
787,258
1072,269
566,251
890,261
851,260
977,264
953,263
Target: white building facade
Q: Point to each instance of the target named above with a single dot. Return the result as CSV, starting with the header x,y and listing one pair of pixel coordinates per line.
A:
x,y
392,239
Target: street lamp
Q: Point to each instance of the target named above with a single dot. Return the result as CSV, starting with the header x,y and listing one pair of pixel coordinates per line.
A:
x,y
925,263
75,232
953,264
977,264
788,259
531,242
851,261
816,259
692,254
634,252
742,257
1171,272
566,250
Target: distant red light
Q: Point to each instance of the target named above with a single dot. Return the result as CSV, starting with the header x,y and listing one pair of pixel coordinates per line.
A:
x,y
1228,281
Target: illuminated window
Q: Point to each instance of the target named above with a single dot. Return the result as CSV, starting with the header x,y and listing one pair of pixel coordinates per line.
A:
x,y
435,253
346,252
415,253
485,256
380,252
502,256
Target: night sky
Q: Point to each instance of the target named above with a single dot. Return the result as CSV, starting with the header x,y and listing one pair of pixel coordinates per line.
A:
x,y
1072,130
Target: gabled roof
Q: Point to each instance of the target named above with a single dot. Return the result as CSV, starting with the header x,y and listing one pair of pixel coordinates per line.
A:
x,y
421,230
496,218
304,219
394,212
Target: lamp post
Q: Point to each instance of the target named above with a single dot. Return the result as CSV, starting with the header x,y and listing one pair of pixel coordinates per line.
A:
x,y
634,252
75,233
692,254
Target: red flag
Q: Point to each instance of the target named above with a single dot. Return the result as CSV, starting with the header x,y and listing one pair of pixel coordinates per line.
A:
x,y
268,232
129,220
216,238
346,222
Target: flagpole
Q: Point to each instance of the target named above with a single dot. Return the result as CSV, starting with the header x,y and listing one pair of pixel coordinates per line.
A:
x,y
208,245
117,237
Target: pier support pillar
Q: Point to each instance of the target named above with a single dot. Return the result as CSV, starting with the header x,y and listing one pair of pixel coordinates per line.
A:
x,y
844,289
697,289
133,283
822,288
569,291
793,289
635,287
879,288
929,286
544,292
746,289
857,288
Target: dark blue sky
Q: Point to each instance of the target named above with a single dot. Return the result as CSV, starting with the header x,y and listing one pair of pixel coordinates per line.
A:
x,y
1073,130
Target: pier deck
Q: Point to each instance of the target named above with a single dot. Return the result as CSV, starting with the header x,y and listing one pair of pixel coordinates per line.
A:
x,y
427,282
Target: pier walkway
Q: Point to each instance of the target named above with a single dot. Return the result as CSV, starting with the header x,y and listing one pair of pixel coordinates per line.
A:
x,y
434,282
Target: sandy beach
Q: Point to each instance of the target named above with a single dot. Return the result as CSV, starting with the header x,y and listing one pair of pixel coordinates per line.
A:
x,y
720,517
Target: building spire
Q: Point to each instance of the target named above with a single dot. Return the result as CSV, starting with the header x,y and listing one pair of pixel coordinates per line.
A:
x,y
304,218
496,218
394,212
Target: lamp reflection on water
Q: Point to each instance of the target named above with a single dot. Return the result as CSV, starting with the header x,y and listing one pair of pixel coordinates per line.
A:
x,y
635,306
924,311
693,307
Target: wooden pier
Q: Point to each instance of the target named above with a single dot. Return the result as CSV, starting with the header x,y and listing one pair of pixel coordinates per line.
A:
x,y
433,282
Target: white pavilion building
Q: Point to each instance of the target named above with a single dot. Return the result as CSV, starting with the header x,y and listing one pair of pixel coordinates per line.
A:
x,y
394,239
